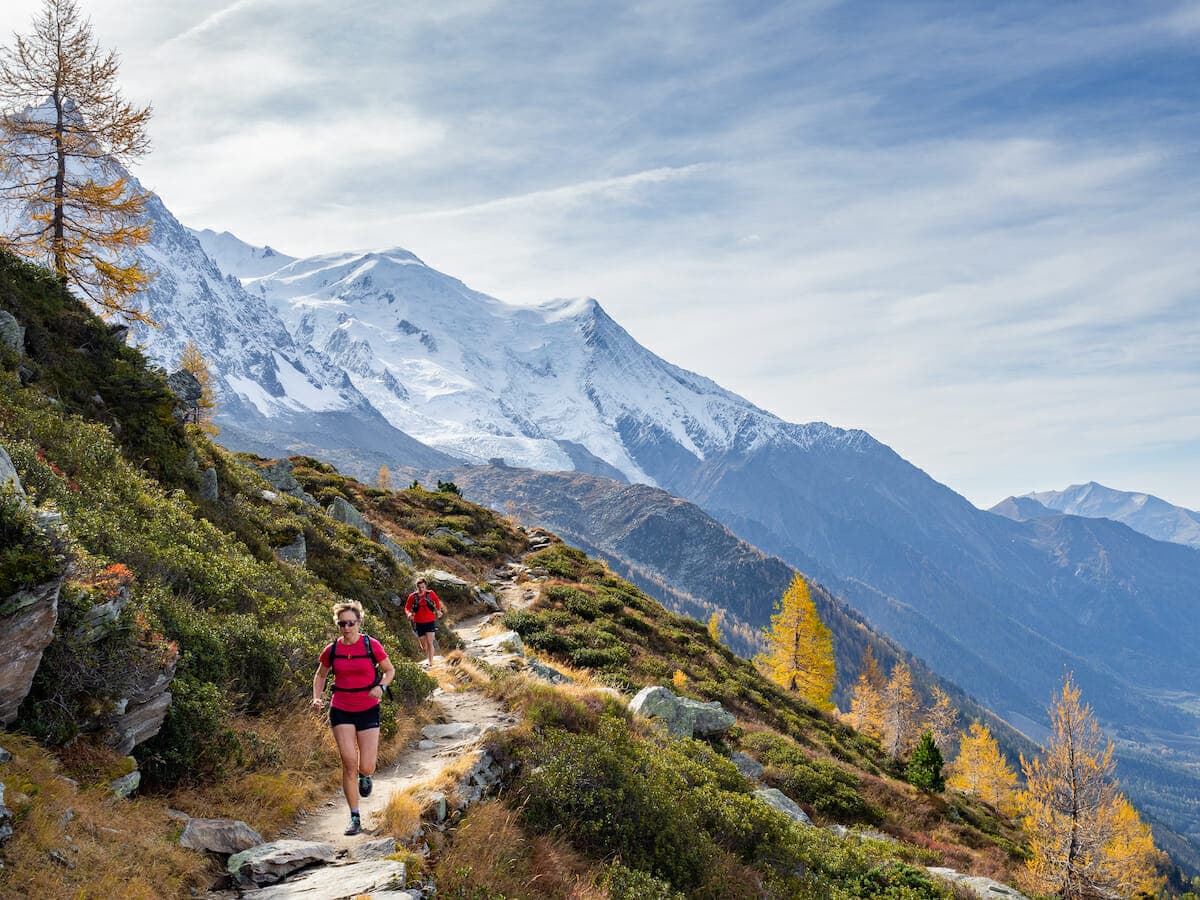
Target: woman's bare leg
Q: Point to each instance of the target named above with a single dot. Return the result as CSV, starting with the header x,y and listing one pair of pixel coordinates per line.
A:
x,y
348,748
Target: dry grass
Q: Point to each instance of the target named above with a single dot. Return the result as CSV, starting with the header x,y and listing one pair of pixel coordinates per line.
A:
x,y
106,848
491,855
300,769
401,818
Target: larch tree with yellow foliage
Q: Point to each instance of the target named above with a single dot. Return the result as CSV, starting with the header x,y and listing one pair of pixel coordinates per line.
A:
x,y
192,360
902,712
1086,840
714,628
866,703
799,654
66,139
981,770
940,720
383,480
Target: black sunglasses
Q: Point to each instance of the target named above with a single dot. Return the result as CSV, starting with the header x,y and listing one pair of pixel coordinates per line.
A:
x,y
347,623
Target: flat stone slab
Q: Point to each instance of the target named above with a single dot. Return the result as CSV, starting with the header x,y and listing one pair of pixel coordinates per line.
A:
x,y
982,887
268,863
747,765
343,882
450,731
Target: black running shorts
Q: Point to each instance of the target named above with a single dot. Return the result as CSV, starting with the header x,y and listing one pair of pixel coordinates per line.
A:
x,y
368,718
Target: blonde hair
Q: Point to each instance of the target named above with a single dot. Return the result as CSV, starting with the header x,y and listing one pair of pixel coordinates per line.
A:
x,y
343,605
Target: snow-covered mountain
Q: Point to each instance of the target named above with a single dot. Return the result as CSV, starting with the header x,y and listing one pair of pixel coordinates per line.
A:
x,y
554,386
1146,513
234,255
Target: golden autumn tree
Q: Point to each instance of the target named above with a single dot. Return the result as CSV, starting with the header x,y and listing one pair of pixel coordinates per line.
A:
x,y
1086,840
192,360
714,628
940,719
902,712
981,770
866,702
383,480
799,654
66,139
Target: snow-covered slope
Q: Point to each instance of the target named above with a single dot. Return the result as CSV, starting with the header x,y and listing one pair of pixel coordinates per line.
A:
x,y
236,257
554,386
1146,513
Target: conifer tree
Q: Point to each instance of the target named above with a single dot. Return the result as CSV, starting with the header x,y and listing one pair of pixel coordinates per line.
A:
x,y
981,770
383,480
799,654
1086,840
714,628
940,718
66,135
192,360
901,712
866,703
925,767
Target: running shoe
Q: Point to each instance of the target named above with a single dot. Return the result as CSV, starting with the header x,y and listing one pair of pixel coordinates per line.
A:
x,y
355,825
364,785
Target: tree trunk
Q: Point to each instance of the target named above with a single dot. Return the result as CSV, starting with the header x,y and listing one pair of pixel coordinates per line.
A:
x,y
57,244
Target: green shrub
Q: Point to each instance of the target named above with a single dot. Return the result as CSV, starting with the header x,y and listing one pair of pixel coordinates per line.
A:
x,y
823,784
925,767
412,684
195,743
26,556
622,883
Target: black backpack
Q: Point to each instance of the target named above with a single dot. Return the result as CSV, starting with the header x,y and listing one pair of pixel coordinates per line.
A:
x,y
370,654
428,601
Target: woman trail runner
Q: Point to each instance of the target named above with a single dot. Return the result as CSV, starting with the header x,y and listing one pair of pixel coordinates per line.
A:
x,y
423,609
361,670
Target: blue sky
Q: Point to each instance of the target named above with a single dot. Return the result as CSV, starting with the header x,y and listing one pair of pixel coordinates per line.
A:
x,y
969,228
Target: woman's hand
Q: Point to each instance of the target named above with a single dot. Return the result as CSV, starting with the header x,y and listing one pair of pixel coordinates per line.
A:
x,y
377,696
318,703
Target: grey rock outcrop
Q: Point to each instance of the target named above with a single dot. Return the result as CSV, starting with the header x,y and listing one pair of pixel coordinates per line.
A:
x,y
448,586
141,715
374,849
219,836
681,716
210,488
780,801
268,863
126,785
451,533
8,474
343,512
398,553
279,476
747,765
27,621
12,333
381,878
187,391
982,887
6,818
548,674
296,552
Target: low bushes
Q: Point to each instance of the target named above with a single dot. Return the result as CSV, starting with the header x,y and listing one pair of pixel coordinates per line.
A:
x,y
821,783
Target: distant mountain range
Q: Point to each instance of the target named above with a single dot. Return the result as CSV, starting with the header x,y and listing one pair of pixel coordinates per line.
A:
x,y
1146,513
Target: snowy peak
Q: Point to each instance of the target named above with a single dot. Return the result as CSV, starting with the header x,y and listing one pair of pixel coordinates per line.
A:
x,y
1142,512
235,257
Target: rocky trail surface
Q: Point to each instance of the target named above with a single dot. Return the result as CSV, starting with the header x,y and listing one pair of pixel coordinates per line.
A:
x,y
446,769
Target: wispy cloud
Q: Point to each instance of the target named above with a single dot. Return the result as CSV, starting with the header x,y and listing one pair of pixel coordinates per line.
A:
x,y
967,228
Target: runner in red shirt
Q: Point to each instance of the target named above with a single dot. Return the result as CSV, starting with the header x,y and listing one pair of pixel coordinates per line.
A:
x,y
354,709
423,609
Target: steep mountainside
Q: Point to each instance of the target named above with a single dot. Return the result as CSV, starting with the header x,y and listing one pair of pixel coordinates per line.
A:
x,y
1146,513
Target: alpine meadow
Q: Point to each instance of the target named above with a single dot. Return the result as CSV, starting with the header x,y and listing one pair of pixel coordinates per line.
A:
x,y
324,574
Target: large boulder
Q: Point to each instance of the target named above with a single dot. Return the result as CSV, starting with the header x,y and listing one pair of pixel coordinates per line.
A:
x,y
343,512
125,786
225,836
12,334
780,801
6,819
187,391
210,487
398,553
682,716
27,622
378,878
268,863
296,552
449,587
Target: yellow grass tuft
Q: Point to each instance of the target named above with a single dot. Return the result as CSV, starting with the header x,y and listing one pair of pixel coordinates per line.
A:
x,y
401,817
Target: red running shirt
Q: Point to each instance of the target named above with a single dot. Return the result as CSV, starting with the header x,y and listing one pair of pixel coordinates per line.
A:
x,y
356,672
424,613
